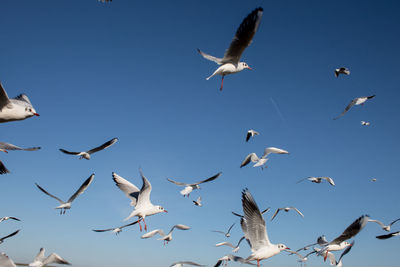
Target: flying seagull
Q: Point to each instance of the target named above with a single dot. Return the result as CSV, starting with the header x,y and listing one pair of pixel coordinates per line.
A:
x,y
141,199
252,157
86,154
241,216
342,70
365,123
198,202
230,63
67,205
388,235
355,101
181,263
40,260
251,133
8,218
225,259
190,187
235,248
165,237
318,180
116,230
384,227
286,209
227,234
6,146
255,231
14,109
8,236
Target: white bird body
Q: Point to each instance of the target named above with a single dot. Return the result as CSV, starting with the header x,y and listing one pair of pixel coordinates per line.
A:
x,y
365,123
5,261
165,237
40,260
318,180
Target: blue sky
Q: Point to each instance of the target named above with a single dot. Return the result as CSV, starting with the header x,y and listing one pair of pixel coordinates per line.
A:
x,y
130,69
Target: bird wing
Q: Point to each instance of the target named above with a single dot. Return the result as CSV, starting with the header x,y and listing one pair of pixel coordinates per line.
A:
x,y
55,258
177,183
40,256
10,235
225,244
370,97
3,169
250,157
129,224
103,230
47,193
14,218
103,146
180,227
321,240
276,212
352,230
248,136
378,222
347,250
82,188
329,180
144,194
294,208
24,98
352,103
152,233
240,241
273,150
4,100
69,152
243,37
302,180
230,228
8,146
388,235
129,189
5,261
253,224
394,222
216,231
209,57
187,263
209,179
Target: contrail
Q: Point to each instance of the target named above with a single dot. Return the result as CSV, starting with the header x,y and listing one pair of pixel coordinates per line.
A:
x,y
278,110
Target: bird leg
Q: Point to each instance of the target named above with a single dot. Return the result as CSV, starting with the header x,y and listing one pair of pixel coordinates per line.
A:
x,y
139,225
258,263
326,255
222,83
145,226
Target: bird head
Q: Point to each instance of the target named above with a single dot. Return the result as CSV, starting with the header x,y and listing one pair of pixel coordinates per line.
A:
x,y
31,111
243,65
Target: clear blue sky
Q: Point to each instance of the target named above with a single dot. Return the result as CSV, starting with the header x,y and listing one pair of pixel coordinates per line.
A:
x,y
129,69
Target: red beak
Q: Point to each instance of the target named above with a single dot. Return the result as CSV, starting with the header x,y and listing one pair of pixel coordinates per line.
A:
x,y
287,248
165,211
36,114
249,68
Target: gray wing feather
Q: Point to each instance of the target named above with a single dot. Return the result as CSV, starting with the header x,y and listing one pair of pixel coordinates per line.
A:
x,y
394,222
209,179
144,194
352,230
54,258
69,152
209,57
4,101
276,213
8,146
47,193
388,235
177,183
347,108
82,188
103,146
10,235
129,189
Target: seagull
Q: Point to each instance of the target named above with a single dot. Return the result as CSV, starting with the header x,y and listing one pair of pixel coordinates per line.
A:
x,y
181,263
255,232
231,257
165,237
141,199
388,235
235,248
230,63
286,209
86,155
3,169
8,236
67,205
6,146
342,70
318,180
116,230
252,157
365,123
40,260
355,101
373,180
14,109
227,234
384,227
347,250
251,133
198,202
273,150
8,218
5,261
302,259
190,187
339,242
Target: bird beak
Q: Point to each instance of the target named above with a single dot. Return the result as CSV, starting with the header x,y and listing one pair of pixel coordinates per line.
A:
x,y
249,68
36,114
287,248
165,211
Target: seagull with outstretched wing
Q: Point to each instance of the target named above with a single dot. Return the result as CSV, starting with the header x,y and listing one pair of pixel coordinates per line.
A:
x,y
116,230
165,237
190,187
384,227
8,236
286,209
227,234
355,101
86,154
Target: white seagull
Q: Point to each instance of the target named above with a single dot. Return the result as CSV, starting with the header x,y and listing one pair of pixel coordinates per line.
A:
x,y
252,157
9,218
198,202
141,199
190,187
318,180
365,123
5,261
286,209
67,205
86,154
165,237
116,230
384,227
342,70
255,231
251,133
388,235
235,248
14,109
181,263
339,242
230,63
225,259
6,146
40,260
227,234
8,236
355,101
